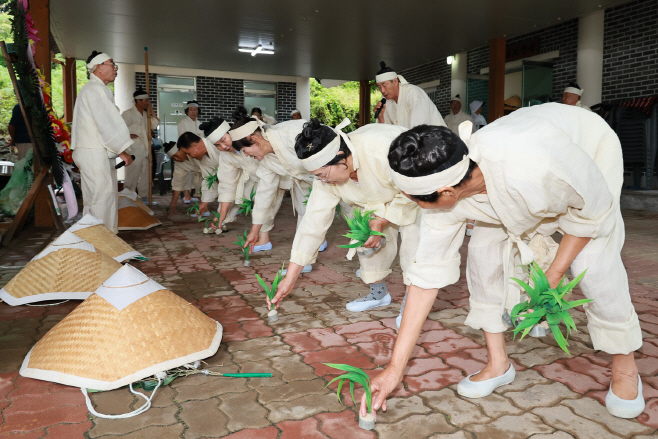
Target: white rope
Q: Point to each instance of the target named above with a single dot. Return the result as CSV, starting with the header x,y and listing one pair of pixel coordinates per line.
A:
x,y
48,304
147,405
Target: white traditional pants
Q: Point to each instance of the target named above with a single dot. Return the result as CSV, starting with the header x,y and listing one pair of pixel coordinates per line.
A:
x,y
99,185
137,176
611,319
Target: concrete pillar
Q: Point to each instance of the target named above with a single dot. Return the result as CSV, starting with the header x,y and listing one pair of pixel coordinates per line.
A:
x,y
304,96
496,79
364,102
124,86
590,56
458,77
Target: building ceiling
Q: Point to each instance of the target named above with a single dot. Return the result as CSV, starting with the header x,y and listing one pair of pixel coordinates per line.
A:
x,y
342,39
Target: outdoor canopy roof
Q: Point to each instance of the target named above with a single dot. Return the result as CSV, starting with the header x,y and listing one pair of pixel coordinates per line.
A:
x,y
322,39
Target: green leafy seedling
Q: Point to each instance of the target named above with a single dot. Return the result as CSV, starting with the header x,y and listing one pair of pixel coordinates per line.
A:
x,y
359,228
546,304
194,209
242,240
247,204
353,375
211,178
307,196
209,222
271,292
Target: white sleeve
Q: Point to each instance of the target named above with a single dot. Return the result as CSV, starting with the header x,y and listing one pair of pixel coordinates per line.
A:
x,y
268,186
112,130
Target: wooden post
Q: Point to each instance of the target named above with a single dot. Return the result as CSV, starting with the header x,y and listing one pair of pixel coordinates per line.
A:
x,y
496,78
364,102
70,88
148,124
40,11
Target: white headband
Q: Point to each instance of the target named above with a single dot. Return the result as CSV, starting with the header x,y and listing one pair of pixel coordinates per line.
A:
x,y
245,130
98,59
219,132
428,184
329,152
173,150
389,76
191,104
144,96
574,90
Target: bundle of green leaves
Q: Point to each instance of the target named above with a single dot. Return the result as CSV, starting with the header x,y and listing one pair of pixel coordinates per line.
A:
x,y
242,239
211,178
194,209
546,304
359,228
307,196
353,375
271,292
213,218
247,204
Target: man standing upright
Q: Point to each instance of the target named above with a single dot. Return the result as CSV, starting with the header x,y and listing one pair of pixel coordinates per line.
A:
x,y
406,105
137,176
456,116
98,137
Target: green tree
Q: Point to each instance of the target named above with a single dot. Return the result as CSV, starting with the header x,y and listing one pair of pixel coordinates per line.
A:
x,y
332,105
7,96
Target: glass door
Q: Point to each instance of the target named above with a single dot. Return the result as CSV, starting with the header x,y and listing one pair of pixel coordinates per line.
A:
x,y
477,89
261,95
173,94
537,83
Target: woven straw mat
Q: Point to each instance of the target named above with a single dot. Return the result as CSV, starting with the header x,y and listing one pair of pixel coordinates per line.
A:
x,y
69,270
97,341
104,240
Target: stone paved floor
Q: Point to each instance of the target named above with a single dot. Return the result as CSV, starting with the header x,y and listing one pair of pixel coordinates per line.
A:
x,y
554,396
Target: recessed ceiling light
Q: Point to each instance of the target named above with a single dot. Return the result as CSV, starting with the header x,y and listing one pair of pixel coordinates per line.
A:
x,y
256,51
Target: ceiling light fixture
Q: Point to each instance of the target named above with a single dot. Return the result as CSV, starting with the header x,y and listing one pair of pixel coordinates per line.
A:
x,y
450,59
257,50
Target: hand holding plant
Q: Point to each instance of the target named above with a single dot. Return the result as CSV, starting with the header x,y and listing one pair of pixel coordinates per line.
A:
x,y
359,229
247,204
271,292
547,304
355,375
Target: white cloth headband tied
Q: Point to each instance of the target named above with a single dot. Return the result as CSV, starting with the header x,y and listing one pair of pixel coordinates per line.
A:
x,y
173,150
144,96
245,130
574,90
219,132
329,152
389,76
191,104
98,59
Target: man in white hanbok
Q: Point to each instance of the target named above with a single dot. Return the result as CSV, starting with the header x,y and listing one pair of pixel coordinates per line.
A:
x,y
542,169
136,118
98,137
457,115
190,124
572,94
406,104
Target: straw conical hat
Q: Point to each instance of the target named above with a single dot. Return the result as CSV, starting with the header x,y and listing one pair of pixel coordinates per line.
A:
x,y
129,329
132,217
69,268
135,199
94,232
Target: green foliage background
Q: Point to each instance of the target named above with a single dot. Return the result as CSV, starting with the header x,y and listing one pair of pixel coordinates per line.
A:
x,y
7,96
332,105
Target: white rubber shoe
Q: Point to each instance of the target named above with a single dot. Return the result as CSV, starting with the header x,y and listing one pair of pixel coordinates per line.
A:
x,y
307,269
358,273
480,389
368,302
262,248
625,408
323,247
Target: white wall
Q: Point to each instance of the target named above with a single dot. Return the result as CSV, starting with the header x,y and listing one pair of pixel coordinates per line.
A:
x,y
589,72
458,76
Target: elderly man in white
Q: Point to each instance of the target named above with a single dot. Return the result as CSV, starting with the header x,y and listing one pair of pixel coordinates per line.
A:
x,y
406,104
99,136
136,118
572,94
456,116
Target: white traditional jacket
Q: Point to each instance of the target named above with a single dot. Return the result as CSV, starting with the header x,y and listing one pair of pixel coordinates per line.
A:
x,y
454,120
138,125
548,168
374,191
97,123
413,108
189,125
